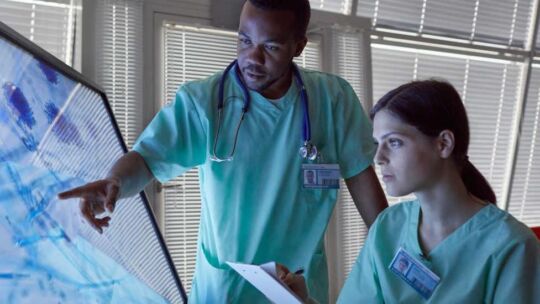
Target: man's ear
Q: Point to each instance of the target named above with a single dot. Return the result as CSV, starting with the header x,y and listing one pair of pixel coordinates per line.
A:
x,y
446,143
300,45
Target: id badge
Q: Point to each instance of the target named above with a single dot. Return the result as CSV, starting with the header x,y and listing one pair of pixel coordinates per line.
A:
x,y
321,176
414,273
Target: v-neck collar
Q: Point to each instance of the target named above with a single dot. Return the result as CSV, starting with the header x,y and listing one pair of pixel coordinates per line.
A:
x,y
280,104
481,218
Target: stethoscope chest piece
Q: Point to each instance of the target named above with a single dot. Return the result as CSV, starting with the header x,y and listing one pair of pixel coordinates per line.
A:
x,y
309,151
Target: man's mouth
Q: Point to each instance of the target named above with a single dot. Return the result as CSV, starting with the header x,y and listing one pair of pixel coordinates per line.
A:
x,y
253,74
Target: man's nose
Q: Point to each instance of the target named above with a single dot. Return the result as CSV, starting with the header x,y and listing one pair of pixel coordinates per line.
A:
x,y
256,55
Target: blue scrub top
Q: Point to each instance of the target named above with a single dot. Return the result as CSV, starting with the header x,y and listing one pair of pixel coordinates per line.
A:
x,y
254,208
491,258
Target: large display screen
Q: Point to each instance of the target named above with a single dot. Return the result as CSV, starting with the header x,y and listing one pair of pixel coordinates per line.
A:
x,y
57,132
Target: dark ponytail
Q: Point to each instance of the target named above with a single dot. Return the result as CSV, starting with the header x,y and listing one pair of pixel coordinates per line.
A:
x,y
476,183
433,106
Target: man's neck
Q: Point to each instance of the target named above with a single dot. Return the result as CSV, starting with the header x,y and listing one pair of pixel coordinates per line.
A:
x,y
279,88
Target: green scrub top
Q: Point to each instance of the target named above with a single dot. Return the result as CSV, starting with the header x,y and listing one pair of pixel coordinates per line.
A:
x,y
491,258
254,208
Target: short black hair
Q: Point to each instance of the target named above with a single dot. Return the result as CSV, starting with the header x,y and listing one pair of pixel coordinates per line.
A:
x,y
300,8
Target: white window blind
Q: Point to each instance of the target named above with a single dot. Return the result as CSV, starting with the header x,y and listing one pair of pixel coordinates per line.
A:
x,y
538,39
335,6
504,22
311,56
193,53
119,61
351,229
49,24
489,89
396,13
189,54
525,196
351,52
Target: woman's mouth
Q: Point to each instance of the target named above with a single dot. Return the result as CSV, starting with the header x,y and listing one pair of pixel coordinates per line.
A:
x,y
387,178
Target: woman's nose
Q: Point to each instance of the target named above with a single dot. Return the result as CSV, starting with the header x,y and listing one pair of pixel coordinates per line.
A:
x,y
379,158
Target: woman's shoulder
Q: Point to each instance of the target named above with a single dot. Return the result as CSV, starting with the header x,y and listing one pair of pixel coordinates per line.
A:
x,y
399,211
507,229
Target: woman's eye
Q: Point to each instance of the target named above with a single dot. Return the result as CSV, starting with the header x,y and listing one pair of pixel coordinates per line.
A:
x,y
395,143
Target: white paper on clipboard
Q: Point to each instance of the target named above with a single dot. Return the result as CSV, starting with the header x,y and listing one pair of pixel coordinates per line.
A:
x,y
264,278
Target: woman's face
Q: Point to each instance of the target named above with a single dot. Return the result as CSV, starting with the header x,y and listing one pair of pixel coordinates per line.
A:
x,y
409,160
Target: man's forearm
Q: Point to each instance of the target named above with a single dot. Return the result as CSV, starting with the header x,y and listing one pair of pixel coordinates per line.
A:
x,y
132,174
367,194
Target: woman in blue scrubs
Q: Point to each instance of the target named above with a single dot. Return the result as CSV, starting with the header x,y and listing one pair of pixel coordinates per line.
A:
x,y
451,244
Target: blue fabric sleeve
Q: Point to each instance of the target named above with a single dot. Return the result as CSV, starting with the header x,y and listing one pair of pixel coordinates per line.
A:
x,y
518,279
175,140
354,133
362,285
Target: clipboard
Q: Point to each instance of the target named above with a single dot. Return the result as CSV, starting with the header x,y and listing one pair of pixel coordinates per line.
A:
x,y
264,278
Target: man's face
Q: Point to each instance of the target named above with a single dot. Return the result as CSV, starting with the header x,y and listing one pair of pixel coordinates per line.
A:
x,y
266,46
310,175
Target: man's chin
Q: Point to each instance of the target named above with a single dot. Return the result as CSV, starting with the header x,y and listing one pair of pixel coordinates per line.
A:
x,y
256,86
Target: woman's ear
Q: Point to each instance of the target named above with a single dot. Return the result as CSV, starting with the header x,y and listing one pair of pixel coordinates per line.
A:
x,y
446,143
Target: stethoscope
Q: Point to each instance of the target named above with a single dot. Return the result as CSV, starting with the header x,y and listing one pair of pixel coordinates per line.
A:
x,y
307,150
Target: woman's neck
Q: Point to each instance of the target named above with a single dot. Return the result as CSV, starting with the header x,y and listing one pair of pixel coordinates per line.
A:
x,y
444,207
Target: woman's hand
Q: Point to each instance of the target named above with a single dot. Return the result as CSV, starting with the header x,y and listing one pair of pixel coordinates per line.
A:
x,y
295,282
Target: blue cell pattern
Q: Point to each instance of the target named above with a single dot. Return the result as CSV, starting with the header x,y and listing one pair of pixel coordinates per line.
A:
x,y
56,134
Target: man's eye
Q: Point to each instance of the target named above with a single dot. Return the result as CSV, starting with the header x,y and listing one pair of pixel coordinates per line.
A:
x,y
245,41
272,47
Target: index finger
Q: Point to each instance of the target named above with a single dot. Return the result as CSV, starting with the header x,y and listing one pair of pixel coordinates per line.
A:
x,y
112,195
75,192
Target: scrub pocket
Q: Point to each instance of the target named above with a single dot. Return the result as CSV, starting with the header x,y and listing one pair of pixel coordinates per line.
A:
x,y
313,195
318,278
317,196
214,283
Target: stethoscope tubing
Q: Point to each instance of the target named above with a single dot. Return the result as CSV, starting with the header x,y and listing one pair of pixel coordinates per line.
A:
x,y
306,125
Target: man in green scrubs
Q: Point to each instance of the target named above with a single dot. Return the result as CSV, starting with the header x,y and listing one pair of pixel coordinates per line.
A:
x,y
257,207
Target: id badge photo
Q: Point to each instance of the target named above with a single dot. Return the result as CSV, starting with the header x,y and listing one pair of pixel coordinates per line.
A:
x,y
320,176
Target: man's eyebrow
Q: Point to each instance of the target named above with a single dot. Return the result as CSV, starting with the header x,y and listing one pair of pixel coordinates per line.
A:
x,y
271,40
